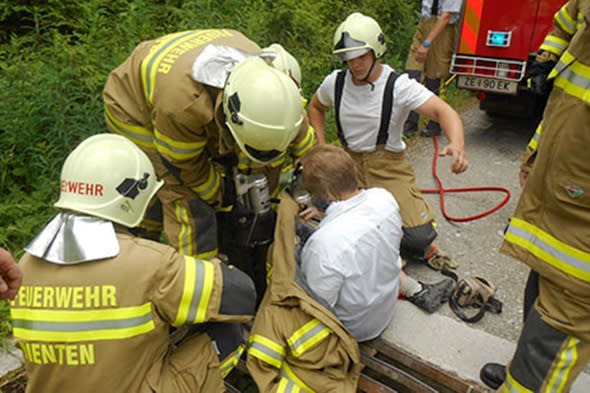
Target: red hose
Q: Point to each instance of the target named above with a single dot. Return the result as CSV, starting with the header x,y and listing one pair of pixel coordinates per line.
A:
x,y
441,190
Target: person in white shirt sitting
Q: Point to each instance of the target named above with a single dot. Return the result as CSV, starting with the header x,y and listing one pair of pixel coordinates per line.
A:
x,y
352,260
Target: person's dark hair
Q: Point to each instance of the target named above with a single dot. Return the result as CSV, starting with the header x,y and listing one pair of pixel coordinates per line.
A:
x,y
329,172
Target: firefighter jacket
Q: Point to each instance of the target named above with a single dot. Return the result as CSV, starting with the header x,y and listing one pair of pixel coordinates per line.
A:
x,y
566,42
550,230
103,325
152,99
297,344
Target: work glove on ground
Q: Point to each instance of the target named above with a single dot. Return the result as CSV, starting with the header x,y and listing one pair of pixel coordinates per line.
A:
x,y
439,260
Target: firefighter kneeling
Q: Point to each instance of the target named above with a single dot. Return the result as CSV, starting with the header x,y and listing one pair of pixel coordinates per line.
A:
x,y
97,305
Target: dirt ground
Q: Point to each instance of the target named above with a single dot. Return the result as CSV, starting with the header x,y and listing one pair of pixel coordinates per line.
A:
x,y
493,146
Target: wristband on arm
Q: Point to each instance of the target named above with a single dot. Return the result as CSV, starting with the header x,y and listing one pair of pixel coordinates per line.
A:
x,y
426,44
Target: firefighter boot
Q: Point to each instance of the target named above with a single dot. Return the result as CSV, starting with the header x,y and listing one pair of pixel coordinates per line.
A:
x,y
411,124
432,128
493,375
432,296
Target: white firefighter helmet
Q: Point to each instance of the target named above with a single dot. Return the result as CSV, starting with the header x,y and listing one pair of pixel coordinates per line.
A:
x,y
108,176
263,109
356,36
284,61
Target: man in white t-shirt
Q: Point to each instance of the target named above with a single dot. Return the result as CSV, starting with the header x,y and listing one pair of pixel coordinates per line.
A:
x,y
352,260
371,104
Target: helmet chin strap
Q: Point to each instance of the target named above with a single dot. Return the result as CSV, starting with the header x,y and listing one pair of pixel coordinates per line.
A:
x,y
366,78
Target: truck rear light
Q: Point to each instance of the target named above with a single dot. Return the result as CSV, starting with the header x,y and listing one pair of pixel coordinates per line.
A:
x,y
502,70
506,69
481,95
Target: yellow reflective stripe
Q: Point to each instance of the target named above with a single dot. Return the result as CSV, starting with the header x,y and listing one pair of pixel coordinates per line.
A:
x,y
568,357
307,336
565,21
178,150
278,162
573,77
231,361
299,149
287,386
303,102
294,383
81,325
266,350
149,65
106,314
554,45
185,235
139,135
210,187
207,254
511,385
562,256
151,225
163,54
198,288
534,142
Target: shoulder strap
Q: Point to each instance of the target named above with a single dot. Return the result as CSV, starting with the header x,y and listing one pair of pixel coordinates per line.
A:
x,y
386,108
338,88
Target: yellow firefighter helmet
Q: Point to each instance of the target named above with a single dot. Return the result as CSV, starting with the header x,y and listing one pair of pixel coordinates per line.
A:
x,y
263,109
356,36
108,176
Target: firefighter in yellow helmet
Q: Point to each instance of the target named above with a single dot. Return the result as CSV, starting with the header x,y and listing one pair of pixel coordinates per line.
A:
x,y
550,229
373,137
97,304
205,107
285,62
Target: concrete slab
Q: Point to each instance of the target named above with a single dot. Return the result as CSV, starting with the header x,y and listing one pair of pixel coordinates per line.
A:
x,y
452,346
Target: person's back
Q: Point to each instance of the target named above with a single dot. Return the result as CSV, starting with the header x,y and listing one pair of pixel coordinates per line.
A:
x,y
103,324
96,306
352,260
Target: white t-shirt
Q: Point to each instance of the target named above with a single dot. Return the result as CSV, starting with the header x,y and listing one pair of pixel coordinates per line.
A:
x,y
360,108
452,6
352,261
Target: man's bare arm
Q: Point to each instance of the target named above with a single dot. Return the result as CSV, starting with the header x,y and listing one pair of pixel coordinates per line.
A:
x,y
317,118
452,125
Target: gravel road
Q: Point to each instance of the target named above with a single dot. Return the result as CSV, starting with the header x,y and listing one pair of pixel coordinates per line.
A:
x,y
493,146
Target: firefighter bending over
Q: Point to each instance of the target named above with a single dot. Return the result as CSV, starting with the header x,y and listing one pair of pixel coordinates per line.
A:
x,y
550,229
371,103
200,128
97,304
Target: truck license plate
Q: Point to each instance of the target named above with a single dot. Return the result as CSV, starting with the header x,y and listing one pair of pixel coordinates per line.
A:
x,y
487,84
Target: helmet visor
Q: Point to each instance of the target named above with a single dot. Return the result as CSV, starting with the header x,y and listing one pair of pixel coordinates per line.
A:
x,y
348,48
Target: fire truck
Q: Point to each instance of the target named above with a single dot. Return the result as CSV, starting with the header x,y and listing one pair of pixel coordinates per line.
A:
x,y
498,40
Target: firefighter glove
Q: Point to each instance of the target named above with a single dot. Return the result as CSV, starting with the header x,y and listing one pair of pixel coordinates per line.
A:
x,y
538,73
